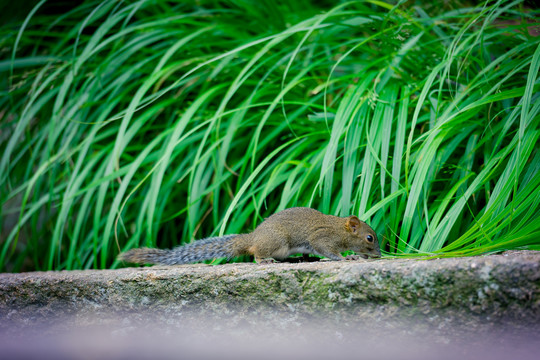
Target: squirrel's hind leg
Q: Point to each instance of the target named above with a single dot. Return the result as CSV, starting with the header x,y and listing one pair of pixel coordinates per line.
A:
x,y
268,249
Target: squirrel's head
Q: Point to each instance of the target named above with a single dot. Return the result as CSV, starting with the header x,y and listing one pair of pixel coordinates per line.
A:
x,y
362,238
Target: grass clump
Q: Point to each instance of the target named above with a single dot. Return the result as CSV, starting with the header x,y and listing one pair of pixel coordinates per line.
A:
x,y
151,123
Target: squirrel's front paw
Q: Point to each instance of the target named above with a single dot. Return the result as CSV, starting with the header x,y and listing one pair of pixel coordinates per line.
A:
x,y
355,257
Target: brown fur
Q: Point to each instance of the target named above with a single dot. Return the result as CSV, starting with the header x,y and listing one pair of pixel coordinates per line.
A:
x,y
291,231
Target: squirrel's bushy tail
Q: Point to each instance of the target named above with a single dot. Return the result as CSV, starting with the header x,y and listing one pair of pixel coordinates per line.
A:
x,y
205,249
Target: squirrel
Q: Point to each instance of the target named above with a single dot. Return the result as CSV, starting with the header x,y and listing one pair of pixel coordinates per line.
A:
x,y
291,231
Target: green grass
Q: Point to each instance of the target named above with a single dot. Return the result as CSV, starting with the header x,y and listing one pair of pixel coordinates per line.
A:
x,y
152,123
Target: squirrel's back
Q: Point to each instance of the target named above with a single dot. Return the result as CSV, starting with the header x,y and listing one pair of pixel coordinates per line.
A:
x,y
301,222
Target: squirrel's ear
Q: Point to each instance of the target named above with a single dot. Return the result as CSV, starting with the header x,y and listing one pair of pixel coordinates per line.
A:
x,y
353,223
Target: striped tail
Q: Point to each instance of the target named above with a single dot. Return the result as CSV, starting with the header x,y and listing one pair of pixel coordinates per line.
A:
x,y
205,249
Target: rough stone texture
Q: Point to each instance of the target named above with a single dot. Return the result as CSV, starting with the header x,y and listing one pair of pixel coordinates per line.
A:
x,y
443,300
479,307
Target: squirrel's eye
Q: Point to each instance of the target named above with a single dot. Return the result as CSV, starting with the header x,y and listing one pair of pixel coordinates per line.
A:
x,y
369,238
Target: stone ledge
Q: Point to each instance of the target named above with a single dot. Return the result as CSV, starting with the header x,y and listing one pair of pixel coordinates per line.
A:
x,y
505,287
479,284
